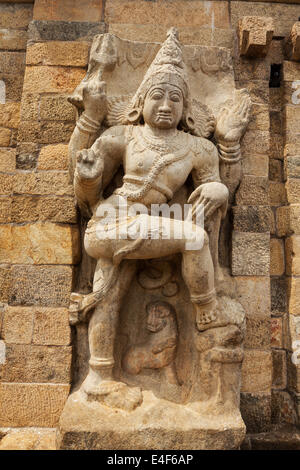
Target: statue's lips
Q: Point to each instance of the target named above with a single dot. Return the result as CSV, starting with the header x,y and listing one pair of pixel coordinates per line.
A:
x,y
164,117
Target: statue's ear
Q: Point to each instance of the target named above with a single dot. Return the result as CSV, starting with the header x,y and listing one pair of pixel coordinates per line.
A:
x,y
135,112
134,115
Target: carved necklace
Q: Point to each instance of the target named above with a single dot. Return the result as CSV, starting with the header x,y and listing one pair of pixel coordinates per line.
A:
x,y
161,145
166,155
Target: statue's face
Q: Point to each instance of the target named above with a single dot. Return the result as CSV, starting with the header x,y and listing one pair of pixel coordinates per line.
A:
x,y
163,106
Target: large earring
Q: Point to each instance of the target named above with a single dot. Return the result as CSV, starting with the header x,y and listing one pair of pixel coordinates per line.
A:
x,y
134,115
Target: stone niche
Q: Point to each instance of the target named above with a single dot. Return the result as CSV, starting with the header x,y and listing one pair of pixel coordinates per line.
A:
x,y
189,379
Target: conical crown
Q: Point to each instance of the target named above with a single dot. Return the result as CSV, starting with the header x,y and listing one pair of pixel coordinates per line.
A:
x,y
167,67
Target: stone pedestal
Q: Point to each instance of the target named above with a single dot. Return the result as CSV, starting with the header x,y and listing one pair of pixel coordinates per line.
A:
x,y
156,424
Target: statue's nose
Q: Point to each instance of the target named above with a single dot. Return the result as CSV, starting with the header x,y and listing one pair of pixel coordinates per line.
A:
x,y
165,105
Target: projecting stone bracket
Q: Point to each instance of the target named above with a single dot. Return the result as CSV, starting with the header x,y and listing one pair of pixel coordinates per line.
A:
x,y
255,35
292,47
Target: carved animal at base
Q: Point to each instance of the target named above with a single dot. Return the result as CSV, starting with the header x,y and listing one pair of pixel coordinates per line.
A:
x,y
159,350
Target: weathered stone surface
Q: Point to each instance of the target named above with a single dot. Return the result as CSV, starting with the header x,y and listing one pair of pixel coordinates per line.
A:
x,y
7,159
253,191
283,15
12,62
11,39
15,16
293,374
55,79
44,208
5,136
17,325
5,283
279,369
292,249
255,35
252,218
203,35
293,190
291,71
283,411
13,85
260,118
56,108
73,53
293,43
29,439
255,142
257,165
6,183
275,100
258,332
31,404
282,439
288,220
30,107
250,254
41,285
10,115
277,193
278,295
259,90
44,183
84,426
68,10
275,121
256,411
294,299
276,170
277,261
257,371
28,363
251,70
37,325
254,295
27,154
64,30
292,167
51,326
45,132
40,243
5,210
53,157
291,118
276,147
276,332
191,13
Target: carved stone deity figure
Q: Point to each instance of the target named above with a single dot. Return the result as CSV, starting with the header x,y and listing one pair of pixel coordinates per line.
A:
x,y
157,137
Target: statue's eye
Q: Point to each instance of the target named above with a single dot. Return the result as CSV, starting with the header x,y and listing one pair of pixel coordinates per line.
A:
x,y
175,98
157,96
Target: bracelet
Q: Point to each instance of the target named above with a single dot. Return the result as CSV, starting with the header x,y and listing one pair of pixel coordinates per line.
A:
x,y
88,125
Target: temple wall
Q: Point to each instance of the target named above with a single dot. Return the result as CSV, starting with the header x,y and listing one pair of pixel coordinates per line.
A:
x,y
44,49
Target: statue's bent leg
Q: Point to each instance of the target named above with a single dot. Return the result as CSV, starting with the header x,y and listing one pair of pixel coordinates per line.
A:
x,y
175,236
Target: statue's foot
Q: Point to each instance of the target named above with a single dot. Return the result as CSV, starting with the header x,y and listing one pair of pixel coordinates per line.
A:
x,y
206,315
112,393
219,313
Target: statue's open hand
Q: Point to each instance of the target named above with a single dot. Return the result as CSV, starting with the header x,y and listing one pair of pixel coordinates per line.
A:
x,y
233,118
208,198
89,165
94,99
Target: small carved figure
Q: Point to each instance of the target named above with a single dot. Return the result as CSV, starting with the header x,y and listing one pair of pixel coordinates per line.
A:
x,y
159,350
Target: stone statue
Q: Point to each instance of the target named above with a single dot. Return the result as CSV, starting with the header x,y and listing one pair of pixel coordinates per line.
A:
x,y
157,136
